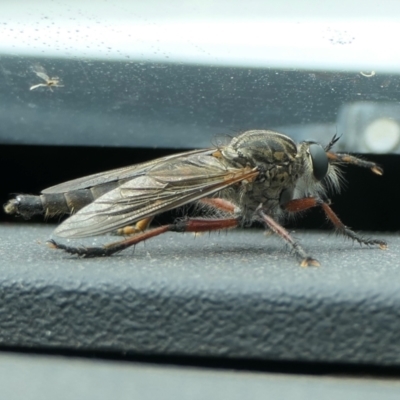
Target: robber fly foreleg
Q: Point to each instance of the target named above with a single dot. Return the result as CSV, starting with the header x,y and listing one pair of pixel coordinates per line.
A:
x,y
187,225
297,205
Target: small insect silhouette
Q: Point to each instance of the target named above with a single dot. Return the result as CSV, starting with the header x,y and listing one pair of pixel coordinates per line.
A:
x,y
49,82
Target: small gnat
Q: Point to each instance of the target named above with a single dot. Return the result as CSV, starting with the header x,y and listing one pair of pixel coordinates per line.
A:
x,y
49,82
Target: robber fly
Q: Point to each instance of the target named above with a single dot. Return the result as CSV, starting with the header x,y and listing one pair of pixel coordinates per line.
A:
x,y
260,175
49,82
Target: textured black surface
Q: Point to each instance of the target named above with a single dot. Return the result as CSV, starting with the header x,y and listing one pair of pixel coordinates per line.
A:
x,y
60,378
238,294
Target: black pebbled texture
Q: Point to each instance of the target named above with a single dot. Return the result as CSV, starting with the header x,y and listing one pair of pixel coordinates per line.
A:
x,y
239,294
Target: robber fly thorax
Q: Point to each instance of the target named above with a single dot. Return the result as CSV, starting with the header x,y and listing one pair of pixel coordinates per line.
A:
x,y
259,176
285,170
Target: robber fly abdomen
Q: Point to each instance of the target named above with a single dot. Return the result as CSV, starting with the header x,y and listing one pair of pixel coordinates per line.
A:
x,y
52,204
259,176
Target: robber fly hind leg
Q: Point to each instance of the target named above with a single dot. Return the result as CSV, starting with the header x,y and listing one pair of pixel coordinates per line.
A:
x,y
142,225
188,225
142,233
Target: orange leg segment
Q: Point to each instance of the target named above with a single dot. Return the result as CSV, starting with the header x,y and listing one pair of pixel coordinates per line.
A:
x,y
139,227
220,204
297,205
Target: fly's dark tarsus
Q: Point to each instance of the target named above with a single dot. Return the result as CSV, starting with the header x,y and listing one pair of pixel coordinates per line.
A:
x,y
259,176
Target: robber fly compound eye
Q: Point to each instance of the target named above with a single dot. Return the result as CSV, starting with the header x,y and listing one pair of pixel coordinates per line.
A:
x,y
319,161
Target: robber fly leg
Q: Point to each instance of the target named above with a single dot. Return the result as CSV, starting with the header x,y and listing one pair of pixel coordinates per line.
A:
x,y
298,205
344,230
111,248
305,260
188,225
139,227
142,225
220,204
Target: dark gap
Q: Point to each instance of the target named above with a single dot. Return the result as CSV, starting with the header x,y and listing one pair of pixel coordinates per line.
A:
x,y
367,202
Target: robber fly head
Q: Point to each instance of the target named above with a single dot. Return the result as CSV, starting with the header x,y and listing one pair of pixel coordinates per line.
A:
x,y
318,171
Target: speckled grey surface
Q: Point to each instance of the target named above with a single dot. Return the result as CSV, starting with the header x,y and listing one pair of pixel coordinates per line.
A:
x,y
238,294
42,378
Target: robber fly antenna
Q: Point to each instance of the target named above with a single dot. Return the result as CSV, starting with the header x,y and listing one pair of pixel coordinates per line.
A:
x,y
332,142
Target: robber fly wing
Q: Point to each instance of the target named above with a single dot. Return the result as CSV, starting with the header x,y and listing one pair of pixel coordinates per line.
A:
x,y
119,174
168,186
